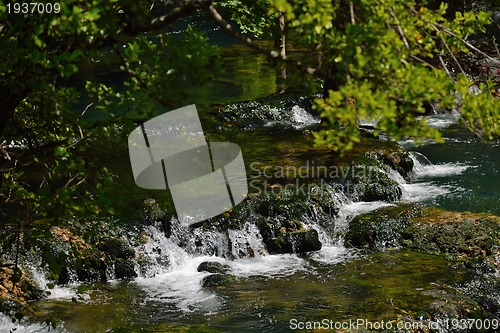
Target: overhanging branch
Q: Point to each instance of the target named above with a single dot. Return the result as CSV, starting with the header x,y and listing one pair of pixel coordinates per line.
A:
x,y
247,41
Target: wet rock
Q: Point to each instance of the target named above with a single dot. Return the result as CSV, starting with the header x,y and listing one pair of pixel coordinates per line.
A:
x,y
124,268
370,183
213,267
215,280
490,67
305,241
117,248
399,160
154,215
382,228
120,255
285,241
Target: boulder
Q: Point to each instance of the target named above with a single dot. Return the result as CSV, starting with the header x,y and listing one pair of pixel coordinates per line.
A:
x,y
213,267
399,160
295,241
117,248
382,228
215,280
124,268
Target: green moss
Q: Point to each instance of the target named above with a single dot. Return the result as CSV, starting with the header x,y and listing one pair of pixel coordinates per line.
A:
x,y
381,228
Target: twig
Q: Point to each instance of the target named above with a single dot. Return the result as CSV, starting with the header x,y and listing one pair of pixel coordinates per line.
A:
x,y
86,108
446,69
400,30
496,46
351,7
414,57
451,53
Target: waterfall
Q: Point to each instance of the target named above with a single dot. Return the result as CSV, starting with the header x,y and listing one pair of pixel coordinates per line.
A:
x,y
419,161
167,267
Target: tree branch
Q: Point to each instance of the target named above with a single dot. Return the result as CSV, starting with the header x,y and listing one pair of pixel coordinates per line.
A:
x,y
439,27
247,41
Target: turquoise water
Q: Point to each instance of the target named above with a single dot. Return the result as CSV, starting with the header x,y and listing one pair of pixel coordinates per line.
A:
x,y
466,168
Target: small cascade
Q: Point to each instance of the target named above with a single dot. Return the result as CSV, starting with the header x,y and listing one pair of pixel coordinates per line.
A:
x,y
158,254
247,242
302,118
422,186
288,112
420,161
329,229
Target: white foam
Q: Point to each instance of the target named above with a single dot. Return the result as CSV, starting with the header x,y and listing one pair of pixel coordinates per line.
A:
x,y
423,191
7,326
443,120
362,207
247,239
438,170
271,266
181,286
331,255
302,118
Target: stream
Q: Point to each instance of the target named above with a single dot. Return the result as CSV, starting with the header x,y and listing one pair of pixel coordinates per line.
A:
x,y
268,292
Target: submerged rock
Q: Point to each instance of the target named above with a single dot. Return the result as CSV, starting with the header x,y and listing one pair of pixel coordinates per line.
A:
x,y
215,280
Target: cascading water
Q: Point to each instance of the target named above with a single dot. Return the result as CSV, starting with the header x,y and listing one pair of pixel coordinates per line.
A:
x,y
167,267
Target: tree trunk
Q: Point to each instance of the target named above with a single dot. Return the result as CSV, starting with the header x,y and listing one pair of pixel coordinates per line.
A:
x,y
280,43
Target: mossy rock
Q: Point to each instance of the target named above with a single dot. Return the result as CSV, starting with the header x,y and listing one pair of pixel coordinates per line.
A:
x,y
213,267
124,268
381,228
368,182
426,230
215,280
399,160
471,237
299,241
117,248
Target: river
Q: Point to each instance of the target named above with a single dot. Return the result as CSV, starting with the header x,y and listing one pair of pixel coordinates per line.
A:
x,y
275,293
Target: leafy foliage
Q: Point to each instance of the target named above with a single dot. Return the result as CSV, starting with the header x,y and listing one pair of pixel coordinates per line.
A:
x,y
386,59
